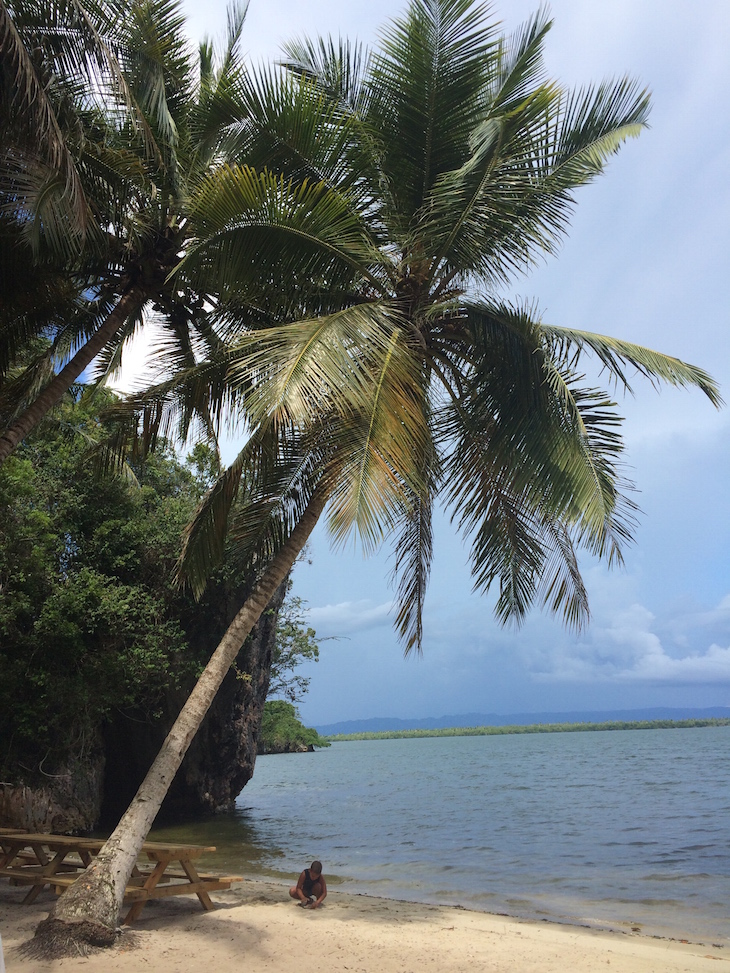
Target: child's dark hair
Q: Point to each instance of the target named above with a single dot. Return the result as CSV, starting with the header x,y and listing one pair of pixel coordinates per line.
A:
x,y
316,867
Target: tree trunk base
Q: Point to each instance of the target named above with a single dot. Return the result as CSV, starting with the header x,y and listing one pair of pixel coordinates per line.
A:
x,y
56,938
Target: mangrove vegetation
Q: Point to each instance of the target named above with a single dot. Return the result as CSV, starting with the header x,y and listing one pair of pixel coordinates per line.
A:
x,y
481,731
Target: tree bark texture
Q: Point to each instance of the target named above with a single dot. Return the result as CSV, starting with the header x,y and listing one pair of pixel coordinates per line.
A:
x,y
53,392
93,903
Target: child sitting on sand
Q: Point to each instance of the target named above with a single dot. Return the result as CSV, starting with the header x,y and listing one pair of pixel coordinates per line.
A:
x,y
311,889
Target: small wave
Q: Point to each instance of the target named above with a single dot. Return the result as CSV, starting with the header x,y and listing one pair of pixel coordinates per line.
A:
x,y
685,877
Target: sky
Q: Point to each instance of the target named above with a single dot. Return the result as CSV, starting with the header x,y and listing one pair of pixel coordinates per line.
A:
x,y
646,259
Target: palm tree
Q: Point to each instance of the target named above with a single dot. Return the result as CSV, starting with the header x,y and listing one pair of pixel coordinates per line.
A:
x,y
459,172
47,57
375,370
108,122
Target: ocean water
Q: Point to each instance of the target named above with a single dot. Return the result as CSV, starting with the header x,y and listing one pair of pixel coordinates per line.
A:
x,y
621,829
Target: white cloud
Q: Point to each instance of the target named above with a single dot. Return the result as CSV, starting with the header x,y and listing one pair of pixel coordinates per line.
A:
x,y
630,651
719,615
349,616
713,666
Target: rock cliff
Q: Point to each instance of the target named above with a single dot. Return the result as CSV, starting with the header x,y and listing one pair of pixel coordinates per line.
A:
x,y
95,784
65,798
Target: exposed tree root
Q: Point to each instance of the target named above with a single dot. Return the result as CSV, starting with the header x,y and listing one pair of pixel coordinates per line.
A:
x,y
56,938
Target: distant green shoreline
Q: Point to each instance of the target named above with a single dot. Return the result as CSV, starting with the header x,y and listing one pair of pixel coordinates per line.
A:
x,y
478,731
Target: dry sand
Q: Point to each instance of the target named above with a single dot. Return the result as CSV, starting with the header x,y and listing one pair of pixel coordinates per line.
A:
x,y
257,927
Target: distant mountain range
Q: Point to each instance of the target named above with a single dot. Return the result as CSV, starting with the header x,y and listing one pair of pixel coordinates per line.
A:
x,y
386,723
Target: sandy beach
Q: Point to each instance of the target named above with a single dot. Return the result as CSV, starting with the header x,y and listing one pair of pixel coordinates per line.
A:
x,y
256,926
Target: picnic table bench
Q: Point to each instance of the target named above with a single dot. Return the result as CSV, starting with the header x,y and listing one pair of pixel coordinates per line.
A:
x,y
41,860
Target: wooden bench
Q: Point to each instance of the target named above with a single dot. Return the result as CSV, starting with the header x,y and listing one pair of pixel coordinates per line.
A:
x,y
41,860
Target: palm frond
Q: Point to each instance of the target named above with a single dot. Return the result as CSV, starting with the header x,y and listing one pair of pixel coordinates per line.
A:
x,y
261,233
603,449
205,536
509,202
303,371
533,466
60,63
63,328
221,99
592,123
27,100
338,67
160,71
532,557
508,548
34,300
561,586
293,125
427,83
517,96
279,487
413,554
516,540
254,506
199,401
615,355
379,447
520,68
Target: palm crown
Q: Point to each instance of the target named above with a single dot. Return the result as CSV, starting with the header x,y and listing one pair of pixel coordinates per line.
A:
x,y
109,122
383,200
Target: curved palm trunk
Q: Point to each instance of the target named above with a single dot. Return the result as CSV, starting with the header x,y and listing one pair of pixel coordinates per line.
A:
x,y
88,911
52,393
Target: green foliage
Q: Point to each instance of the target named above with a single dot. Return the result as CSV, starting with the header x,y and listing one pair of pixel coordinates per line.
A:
x,y
205,464
282,730
295,643
90,620
481,731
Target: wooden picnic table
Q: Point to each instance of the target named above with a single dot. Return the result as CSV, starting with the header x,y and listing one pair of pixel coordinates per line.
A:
x,y
56,860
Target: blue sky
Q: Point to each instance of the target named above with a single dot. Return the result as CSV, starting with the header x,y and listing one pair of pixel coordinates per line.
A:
x,y
647,260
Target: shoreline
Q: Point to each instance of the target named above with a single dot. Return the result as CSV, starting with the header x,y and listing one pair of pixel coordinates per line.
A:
x,y
257,924
653,929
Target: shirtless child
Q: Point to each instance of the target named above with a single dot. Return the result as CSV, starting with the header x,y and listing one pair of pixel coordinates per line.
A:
x,y
311,889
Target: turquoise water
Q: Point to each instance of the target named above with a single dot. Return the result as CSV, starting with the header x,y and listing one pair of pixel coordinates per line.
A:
x,y
623,829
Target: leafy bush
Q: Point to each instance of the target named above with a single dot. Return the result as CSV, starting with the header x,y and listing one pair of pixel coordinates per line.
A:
x,y
89,618
282,730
